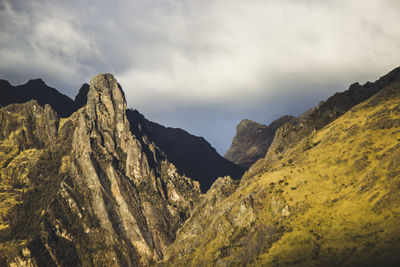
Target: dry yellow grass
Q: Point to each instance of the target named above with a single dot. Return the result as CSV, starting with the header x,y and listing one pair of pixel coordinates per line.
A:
x,y
332,203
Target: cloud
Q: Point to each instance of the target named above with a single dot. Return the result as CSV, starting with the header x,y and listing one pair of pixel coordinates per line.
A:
x,y
56,36
38,42
214,61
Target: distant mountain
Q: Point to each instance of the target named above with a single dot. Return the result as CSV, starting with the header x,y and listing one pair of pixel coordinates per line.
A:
x,y
36,89
252,141
192,155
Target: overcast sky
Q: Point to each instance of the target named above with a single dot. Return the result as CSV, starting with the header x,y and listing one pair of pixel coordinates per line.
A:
x,y
203,65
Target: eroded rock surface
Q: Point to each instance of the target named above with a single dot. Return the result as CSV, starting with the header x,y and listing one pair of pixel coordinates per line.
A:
x,y
111,197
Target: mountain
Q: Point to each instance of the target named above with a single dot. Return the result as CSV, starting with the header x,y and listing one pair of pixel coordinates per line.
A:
x,y
252,141
193,156
332,199
84,190
102,187
187,152
327,111
81,97
38,90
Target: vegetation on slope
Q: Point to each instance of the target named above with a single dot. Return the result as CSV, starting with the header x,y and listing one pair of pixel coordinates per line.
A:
x,y
33,181
331,200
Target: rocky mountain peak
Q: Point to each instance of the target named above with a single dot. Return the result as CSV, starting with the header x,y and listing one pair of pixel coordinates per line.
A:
x,y
106,111
105,95
4,83
36,82
246,123
252,141
98,184
136,192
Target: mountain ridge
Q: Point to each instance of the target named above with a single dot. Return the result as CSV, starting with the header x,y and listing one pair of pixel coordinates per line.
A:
x,y
98,189
295,129
189,153
330,200
36,89
174,142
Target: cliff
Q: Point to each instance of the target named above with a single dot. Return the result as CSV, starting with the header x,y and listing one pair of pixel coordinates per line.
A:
x,y
84,190
252,141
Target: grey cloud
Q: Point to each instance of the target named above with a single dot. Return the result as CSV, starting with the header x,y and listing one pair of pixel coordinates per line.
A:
x,y
203,65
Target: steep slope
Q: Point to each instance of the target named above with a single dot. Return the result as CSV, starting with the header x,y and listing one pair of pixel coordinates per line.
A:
x,y
252,141
84,191
193,156
316,118
36,89
81,97
332,199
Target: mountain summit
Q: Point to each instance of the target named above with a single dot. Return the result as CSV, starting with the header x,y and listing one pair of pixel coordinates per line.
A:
x,y
93,193
252,141
38,90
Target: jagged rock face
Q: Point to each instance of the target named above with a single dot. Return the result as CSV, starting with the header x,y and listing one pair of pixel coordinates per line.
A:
x,y
252,141
192,155
205,216
112,198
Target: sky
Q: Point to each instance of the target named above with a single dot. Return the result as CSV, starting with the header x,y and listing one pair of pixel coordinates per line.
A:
x,y
203,65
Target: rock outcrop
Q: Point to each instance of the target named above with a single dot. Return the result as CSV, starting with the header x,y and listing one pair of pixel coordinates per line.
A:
x,y
193,156
94,193
252,141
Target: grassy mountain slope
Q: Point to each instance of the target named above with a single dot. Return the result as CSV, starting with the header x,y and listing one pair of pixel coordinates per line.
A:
x,y
327,111
331,200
